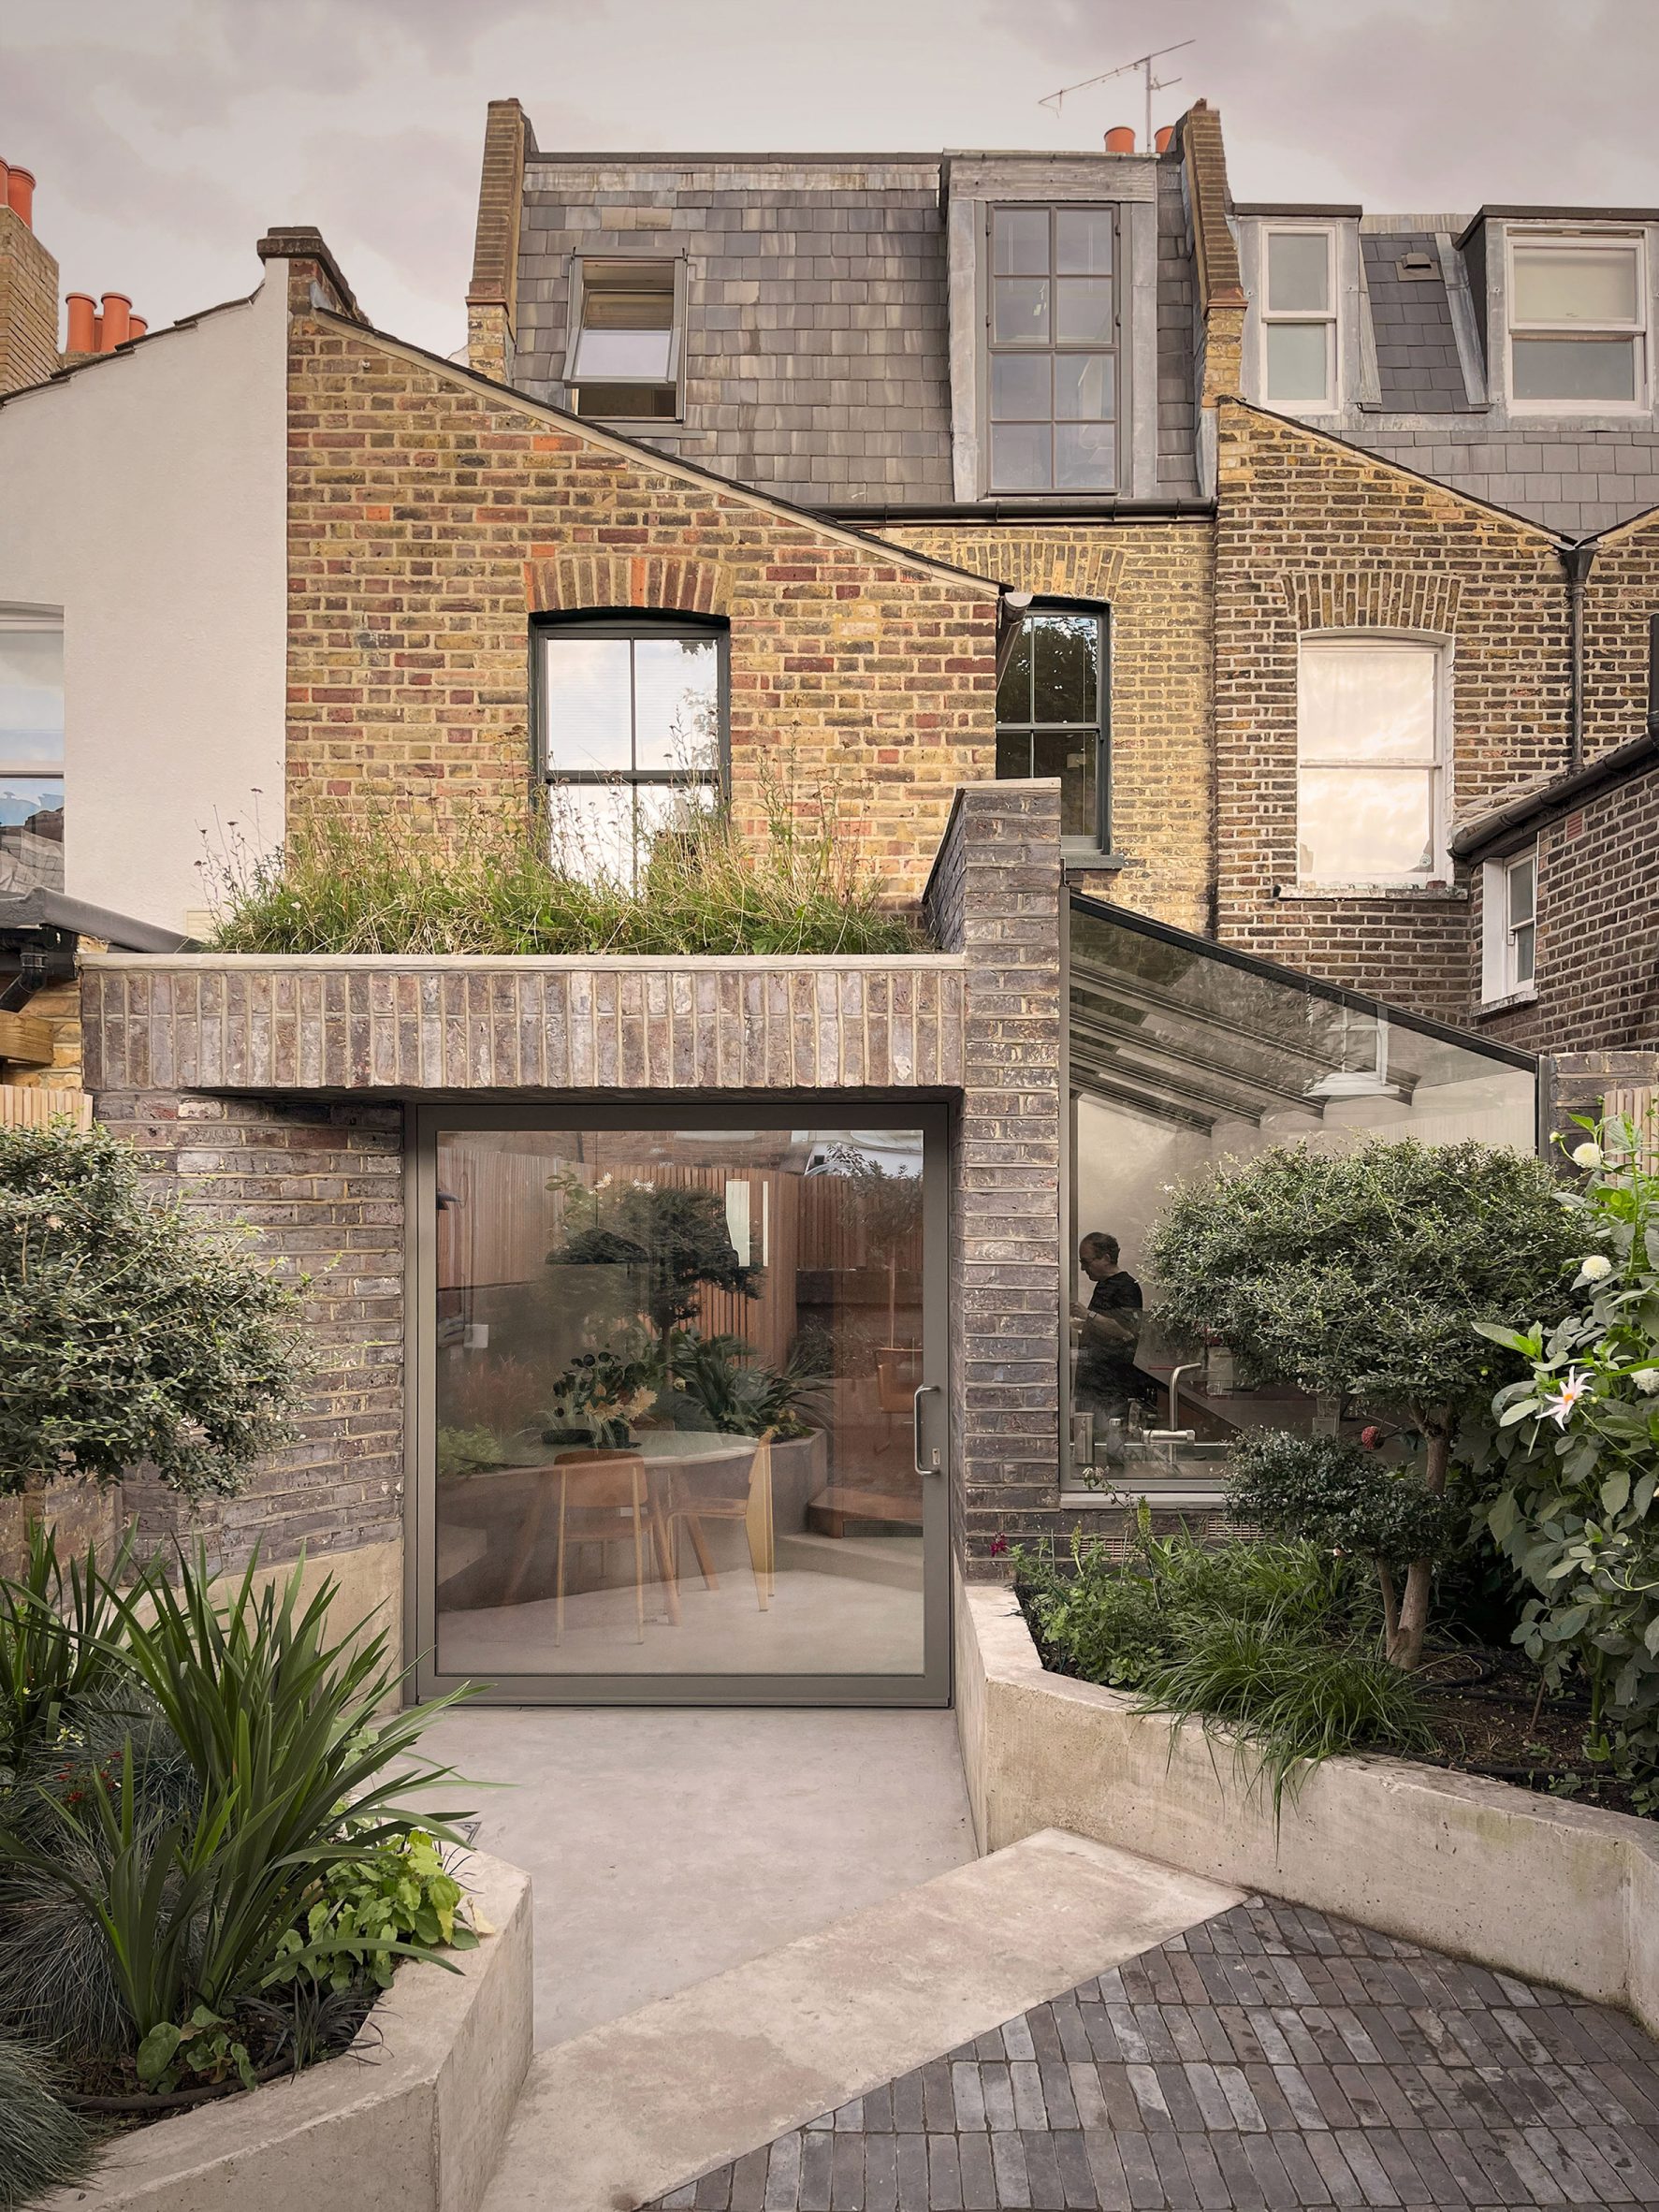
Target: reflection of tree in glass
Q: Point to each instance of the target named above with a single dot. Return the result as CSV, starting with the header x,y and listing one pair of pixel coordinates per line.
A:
x,y
888,1206
672,1241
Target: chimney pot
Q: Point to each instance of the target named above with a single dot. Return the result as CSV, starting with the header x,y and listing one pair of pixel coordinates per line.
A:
x,y
115,322
1120,140
20,194
83,320
136,326
1166,132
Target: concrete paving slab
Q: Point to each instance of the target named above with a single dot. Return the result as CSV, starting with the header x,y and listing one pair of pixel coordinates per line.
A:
x,y
667,1846
615,2117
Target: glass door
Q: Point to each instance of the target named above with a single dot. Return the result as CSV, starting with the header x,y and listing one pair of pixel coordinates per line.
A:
x,y
680,1419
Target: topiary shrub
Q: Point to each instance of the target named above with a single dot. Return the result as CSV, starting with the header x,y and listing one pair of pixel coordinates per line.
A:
x,y
128,1332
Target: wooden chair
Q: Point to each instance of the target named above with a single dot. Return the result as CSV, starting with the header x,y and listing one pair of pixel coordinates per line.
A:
x,y
752,1507
603,1497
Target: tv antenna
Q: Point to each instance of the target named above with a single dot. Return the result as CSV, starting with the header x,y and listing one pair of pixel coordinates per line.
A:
x,y
1141,62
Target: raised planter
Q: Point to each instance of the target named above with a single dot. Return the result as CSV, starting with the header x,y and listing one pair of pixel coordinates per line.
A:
x,y
410,2120
1545,1889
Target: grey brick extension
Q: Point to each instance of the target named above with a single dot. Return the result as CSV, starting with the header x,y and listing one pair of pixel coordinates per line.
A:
x,y
1271,2058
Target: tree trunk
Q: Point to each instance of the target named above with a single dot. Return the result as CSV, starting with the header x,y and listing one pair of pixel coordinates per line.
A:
x,y
1403,1643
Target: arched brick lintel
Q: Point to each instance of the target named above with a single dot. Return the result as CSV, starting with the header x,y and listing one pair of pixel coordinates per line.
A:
x,y
1379,598
669,583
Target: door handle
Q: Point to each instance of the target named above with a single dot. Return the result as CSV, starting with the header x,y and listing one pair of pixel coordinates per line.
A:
x,y
934,1463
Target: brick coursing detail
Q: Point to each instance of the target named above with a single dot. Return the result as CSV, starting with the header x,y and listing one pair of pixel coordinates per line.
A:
x,y
1597,941
1158,580
323,1185
523,1024
1311,535
417,498
28,305
995,894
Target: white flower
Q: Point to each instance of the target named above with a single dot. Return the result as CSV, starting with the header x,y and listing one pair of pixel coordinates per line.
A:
x,y
1586,1155
1646,1381
1594,1267
1577,1386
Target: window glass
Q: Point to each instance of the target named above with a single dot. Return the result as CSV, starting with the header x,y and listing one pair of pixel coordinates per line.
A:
x,y
1575,285
1019,241
1523,877
1071,756
677,703
1083,241
1573,368
1065,664
1082,310
1298,363
622,357
1298,271
30,755
1358,825
1050,715
1022,386
1013,693
1085,456
1361,703
1086,386
1368,745
1022,457
1020,310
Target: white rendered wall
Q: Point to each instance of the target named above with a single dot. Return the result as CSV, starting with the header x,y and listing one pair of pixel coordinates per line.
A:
x,y
145,498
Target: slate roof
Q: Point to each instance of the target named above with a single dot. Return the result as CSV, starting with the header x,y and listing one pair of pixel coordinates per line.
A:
x,y
1417,354
818,338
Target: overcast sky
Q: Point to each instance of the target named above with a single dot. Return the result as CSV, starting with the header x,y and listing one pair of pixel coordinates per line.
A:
x,y
166,135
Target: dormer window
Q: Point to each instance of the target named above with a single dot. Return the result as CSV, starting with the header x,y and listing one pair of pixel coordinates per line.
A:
x,y
1299,319
1578,322
1052,344
626,320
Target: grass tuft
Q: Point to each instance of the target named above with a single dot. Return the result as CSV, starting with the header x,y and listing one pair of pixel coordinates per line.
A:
x,y
43,2145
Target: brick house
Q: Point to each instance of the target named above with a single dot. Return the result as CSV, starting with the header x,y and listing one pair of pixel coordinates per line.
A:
x,y
943,482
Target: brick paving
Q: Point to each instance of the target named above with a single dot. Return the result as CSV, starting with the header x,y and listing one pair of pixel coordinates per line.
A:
x,y
1269,2058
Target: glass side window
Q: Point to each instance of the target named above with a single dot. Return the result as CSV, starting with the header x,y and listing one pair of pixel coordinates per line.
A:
x,y
31,753
1299,320
631,737
1369,803
1053,349
625,338
672,1404
1578,323
1509,923
1052,713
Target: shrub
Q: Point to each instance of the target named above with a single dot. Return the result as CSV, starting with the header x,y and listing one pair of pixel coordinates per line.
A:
x,y
743,1395
43,2145
127,1332
486,883
1359,1274
1575,1444
58,1656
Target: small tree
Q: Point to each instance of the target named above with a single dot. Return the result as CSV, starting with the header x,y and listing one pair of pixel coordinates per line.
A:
x,y
127,1332
1362,1275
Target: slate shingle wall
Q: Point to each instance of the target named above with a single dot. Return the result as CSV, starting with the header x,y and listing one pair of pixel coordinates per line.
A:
x,y
1416,356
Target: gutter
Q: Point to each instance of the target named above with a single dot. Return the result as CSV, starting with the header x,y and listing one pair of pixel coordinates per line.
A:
x,y
1105,510
1576,559
1583,782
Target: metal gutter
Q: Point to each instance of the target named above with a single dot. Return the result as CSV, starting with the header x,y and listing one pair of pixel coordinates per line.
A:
x,y
1107,510
1586,782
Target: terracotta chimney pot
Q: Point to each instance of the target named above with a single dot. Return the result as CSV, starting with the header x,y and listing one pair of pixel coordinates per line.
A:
x,y
97,344
1166,132
115,322
136,326
84,323
1120,140
20,194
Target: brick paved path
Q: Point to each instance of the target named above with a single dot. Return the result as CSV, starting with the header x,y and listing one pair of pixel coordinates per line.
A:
x,y
1270,2057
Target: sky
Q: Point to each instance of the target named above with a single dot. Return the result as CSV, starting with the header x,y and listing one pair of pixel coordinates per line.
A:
x,y
167,136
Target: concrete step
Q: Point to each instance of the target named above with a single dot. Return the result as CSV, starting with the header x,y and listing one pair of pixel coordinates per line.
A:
x,y
894,1561
613,2118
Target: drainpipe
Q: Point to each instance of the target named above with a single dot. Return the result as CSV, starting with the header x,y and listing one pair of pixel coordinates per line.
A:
x,y
1576,559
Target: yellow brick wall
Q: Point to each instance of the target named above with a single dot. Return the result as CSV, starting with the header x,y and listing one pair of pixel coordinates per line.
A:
x,y
430,516
1158,579
28,305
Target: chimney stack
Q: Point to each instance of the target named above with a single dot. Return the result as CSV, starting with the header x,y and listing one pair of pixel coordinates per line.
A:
x,y
115,322
83,336
28,288
1120,140
20,196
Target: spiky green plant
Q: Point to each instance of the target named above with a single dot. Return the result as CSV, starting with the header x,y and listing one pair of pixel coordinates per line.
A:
x,y
43,2145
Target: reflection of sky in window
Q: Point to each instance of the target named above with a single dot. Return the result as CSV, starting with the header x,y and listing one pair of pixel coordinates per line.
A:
x,y
600,721
31,696
22,797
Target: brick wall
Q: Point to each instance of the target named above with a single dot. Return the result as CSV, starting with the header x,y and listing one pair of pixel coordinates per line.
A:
x,y
1313,535
323,1184
28,305
1157,579
1622,592
1598,947
431,515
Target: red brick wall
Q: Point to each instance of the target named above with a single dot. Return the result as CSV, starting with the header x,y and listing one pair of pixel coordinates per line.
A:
x,y
1622,592
1311,535
429,515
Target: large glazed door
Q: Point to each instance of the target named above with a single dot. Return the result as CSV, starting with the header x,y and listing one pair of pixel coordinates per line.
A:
x,y
679,1411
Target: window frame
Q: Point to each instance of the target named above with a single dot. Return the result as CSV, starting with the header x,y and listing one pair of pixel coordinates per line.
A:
x,y
1499,981
1099,612
15,619
1637,331
628,623
1267,318
991,347
674,380
1439,878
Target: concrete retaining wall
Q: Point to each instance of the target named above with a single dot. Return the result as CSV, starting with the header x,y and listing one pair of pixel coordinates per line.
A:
x,y
412,2120
1555,1892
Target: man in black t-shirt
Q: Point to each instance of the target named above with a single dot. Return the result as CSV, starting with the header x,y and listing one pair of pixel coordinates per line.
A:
x,y
1109,1332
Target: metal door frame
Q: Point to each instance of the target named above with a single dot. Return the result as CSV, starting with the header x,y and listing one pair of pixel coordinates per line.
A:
x,y
931,1687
